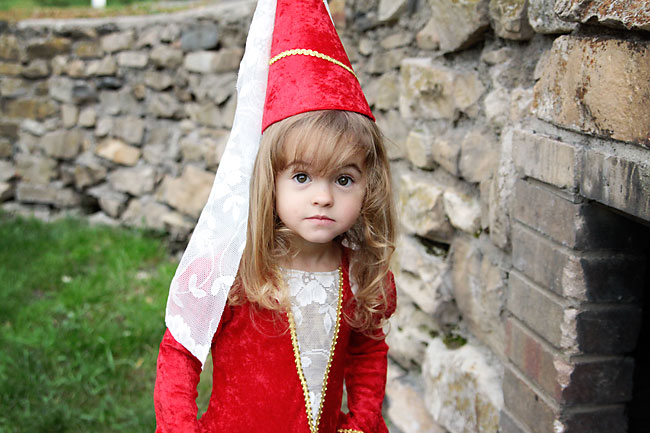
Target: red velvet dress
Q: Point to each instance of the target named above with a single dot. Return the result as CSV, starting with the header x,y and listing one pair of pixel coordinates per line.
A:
x,y
258,385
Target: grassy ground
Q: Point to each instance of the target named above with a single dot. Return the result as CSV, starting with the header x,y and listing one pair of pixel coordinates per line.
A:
x,y
15,10
81,317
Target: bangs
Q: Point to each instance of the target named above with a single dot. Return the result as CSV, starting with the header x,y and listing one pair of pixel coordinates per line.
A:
x,y
324,141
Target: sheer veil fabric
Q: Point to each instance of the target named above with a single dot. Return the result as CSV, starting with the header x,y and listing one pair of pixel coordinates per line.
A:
x,y
199,289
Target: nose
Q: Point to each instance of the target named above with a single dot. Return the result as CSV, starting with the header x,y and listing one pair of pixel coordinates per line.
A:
x,y
322,194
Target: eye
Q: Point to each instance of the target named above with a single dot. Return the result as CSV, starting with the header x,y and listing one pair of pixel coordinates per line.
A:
x,y
301,177
344,180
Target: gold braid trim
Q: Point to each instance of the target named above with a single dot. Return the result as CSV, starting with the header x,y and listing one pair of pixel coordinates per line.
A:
x,y
348,430
296,354
312,53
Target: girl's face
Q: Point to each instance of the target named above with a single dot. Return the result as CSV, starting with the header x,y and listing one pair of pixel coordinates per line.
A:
x,y
318,207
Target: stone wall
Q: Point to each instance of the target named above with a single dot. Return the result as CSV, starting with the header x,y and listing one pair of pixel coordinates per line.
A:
x,y
519,133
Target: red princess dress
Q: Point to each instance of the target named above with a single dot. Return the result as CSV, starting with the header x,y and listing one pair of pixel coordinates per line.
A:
x,y
275,376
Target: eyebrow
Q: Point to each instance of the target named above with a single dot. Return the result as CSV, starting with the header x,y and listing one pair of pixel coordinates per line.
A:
x,y
300,164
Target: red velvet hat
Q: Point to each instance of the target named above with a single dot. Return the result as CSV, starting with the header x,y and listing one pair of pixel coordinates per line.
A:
x,y
309,69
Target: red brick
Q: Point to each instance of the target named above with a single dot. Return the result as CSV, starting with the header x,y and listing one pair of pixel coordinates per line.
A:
x,y
569,381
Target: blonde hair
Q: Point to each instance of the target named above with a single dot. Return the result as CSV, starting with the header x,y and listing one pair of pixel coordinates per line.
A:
x,y
325,140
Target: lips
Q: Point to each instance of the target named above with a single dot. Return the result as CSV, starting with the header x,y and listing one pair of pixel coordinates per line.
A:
x,y
320,218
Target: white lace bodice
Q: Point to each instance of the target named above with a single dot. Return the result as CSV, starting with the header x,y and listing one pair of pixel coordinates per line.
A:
x,y
314,301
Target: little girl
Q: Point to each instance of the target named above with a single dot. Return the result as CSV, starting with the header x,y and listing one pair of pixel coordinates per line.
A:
x,y
313,289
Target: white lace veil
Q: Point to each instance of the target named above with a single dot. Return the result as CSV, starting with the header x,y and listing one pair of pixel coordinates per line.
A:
x,y
199,289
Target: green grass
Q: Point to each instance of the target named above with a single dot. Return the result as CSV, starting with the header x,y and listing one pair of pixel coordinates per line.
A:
x,y
81,318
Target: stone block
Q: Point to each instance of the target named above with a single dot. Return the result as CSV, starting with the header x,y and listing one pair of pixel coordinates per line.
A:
x,y
497,107
62,144
30,108
390,10
145,212
87,117
205,62
9,129
10,68
38,68
628,14
500,193
47,48
597,86
69,91
35,169
571,274
214,88
395,130
430,90
118,41
133,180
548,160
6,191
421,207
69,115
88,49
383,62
130,129
133,59
9,47
419,148
421,274
510,19
88,171
118,151
13,87
458,24
427,38
406,408
164,105
396,40
206,114
543,19
411,329
178,226
463,210
203,36
446,148
166,57
189,192
6,148
33,127
76,69
620,180
7,170
158,80
569,381
387,93
463,388
580,226
110,201
49,194
479,291
478,156
105,67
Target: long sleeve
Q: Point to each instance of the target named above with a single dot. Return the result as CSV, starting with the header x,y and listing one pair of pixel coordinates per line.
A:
x,y
365,379
175,393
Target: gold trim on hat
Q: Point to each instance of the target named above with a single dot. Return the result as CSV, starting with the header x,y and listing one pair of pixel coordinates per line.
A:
x,y
312,53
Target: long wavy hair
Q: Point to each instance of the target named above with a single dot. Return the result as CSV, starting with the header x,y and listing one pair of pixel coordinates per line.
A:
x,y
326,140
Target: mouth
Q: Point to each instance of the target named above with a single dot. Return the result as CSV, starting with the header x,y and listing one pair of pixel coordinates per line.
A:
x,y
320,218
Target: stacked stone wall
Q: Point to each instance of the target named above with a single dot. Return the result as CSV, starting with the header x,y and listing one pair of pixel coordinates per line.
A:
x,y
519,133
